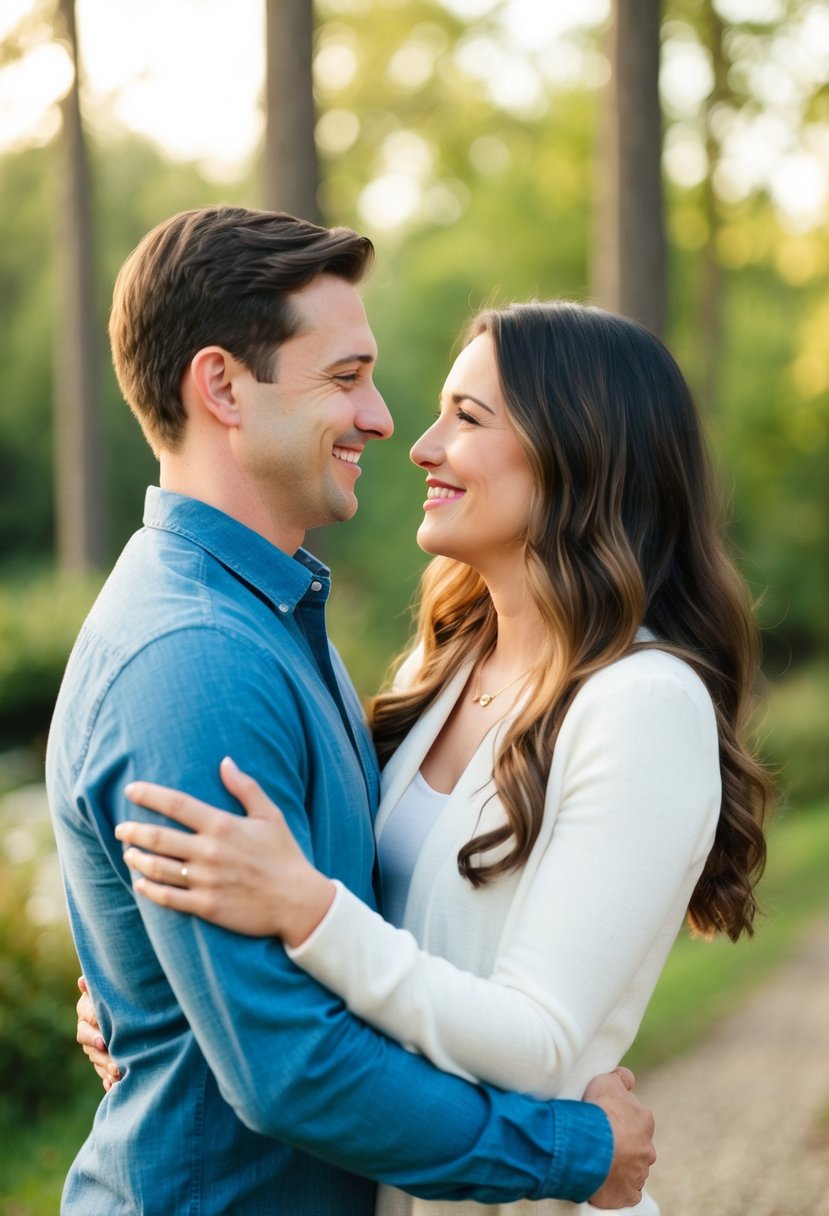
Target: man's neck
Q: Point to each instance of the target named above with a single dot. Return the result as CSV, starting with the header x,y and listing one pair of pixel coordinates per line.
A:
x,y
180,476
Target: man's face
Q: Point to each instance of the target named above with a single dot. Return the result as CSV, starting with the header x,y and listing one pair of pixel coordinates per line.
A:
x,y
302,437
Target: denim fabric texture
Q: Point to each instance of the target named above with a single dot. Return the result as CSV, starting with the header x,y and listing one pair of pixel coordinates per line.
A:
x,y
248,1088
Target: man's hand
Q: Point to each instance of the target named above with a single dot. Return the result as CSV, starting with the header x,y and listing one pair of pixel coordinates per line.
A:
x,y
633,1151
89,1037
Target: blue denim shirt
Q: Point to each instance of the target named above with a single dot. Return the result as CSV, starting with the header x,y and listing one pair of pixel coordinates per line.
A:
x,y
207,641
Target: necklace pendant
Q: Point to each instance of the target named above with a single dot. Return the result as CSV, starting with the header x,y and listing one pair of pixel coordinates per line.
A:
x,y
485,699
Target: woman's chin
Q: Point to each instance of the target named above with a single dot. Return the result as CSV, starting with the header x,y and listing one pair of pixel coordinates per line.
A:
x,y
429,540
435,547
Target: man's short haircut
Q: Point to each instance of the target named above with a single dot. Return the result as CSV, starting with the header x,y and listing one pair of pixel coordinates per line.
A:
x,y
218,276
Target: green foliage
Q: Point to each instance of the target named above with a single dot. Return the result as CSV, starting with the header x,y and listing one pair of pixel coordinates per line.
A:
x,y
40,616
32,1176
507,200
795,733
38,973
135,187
47,1089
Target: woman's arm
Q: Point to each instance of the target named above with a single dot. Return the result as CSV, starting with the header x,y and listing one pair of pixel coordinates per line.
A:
x,y
638,809
636,817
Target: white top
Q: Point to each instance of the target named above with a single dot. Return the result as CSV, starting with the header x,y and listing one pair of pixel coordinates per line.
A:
x,y
538,981
399,847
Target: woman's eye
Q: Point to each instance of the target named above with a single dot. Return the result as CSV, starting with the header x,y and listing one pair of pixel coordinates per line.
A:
x,y
464,417
347,377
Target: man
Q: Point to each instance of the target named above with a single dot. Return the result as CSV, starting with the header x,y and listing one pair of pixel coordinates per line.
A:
x,y
241,343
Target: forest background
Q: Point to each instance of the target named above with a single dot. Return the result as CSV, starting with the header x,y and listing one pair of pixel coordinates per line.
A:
x,y
469,145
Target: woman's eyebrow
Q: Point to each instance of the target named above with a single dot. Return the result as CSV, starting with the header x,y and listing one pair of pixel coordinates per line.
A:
x,y
457,398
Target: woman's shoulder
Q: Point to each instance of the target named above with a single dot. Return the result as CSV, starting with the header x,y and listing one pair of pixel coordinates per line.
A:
x,y
648,679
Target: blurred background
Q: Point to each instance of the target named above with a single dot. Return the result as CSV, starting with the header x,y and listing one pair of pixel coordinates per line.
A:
x,y
667,160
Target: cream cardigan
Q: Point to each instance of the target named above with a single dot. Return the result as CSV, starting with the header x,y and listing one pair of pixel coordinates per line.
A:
x,y
538,981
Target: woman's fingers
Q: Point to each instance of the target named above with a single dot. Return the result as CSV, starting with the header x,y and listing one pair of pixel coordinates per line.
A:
x,y
88,1034
160,868
89,1037
174,804
86,1010
248,791
180,899
239,871
103,1064
168,842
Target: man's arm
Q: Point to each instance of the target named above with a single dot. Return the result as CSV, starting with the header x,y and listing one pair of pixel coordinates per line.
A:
x,y
288,1058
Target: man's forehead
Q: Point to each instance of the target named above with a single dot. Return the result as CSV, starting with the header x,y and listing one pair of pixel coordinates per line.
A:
x,y
332,316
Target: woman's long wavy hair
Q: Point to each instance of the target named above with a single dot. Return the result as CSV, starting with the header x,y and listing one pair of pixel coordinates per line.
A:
x,y
624,531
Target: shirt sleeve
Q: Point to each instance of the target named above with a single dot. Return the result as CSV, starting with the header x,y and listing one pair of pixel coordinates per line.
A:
x,y
638,807
288,1057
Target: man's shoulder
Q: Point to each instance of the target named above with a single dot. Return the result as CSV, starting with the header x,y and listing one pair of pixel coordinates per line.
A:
x,y
164,584
171,628
168,615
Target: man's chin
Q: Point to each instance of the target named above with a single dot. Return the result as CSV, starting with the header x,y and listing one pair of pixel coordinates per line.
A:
x,y
339,512
347,510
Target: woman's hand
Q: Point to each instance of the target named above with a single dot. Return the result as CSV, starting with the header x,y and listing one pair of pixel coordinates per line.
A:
x,y
89,1037
246,873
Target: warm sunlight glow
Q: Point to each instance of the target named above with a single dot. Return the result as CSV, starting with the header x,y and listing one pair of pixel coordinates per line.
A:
x,y
28,90
189,76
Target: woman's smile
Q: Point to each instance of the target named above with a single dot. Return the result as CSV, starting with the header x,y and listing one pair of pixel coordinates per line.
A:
x,y
439,493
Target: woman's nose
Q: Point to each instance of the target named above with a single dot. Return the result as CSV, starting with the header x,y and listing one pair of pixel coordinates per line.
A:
x,y
427,450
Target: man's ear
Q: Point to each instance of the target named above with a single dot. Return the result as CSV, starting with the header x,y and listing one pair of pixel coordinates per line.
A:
x,y
212,374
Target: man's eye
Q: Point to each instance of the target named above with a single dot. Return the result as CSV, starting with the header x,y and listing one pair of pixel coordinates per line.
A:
x,y
347,377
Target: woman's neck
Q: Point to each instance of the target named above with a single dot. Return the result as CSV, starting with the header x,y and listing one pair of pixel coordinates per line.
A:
x,y
521,631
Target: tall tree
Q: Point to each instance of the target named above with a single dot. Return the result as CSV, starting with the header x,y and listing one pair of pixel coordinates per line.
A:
x,y
629,266
710,307
79,491
290,168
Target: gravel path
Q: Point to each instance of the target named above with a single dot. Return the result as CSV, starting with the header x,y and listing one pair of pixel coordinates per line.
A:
x,y
742,1122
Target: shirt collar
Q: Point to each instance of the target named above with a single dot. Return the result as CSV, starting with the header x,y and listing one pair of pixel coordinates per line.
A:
x,y
283,579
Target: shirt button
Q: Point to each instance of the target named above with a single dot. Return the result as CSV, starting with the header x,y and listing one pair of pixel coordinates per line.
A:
x,y
283,607
316,585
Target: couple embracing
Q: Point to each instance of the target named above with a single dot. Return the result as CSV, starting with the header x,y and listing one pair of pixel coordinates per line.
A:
x,y
563,777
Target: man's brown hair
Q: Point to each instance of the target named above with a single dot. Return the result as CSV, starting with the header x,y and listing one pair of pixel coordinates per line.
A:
x,y
218,276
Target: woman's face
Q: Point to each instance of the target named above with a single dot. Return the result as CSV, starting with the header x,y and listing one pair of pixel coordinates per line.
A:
x,y
479,481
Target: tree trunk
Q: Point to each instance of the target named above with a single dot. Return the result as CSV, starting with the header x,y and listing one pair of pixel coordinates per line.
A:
x,y
291,176
79,493
709,325
629,272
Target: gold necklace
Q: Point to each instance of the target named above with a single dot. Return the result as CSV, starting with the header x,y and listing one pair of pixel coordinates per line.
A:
x,y
483,698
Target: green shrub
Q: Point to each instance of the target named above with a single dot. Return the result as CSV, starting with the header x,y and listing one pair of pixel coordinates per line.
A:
x,y
39,619
795,733
38,971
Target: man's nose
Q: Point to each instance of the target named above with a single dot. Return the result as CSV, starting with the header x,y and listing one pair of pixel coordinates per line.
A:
x,y
374,419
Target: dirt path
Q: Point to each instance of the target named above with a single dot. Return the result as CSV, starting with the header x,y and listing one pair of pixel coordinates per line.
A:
x,y
743,1121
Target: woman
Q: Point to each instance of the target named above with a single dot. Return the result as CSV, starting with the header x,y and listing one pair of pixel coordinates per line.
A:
x,y
564,775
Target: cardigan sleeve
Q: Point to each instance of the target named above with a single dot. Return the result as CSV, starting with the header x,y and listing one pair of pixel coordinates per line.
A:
x,y
635,817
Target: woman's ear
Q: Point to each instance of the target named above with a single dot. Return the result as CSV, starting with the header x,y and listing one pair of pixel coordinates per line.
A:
x,y
212,376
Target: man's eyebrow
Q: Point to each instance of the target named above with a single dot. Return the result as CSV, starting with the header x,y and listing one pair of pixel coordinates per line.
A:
x,y
367,359
457,398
